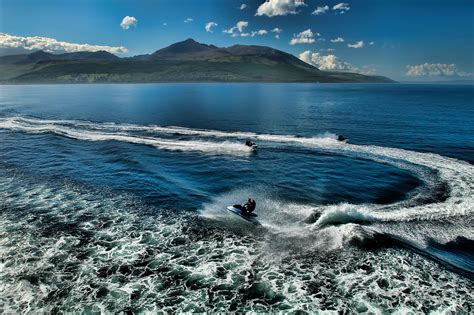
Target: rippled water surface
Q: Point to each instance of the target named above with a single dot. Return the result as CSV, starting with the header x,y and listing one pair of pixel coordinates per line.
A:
x,y
113,198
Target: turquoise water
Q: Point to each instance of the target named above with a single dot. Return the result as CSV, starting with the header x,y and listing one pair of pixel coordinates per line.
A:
x,y
113,197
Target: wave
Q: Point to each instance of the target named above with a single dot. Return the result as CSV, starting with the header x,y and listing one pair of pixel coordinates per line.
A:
x,y
342,214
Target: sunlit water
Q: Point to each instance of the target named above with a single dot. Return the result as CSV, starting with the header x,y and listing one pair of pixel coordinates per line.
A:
x,y
113,198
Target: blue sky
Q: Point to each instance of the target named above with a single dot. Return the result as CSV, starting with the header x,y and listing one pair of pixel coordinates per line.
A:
x,y
435,38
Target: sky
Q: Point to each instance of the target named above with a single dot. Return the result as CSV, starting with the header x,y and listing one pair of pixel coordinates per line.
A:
x,y
405,40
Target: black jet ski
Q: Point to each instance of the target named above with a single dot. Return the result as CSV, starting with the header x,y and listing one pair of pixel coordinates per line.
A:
x,y
251,144
341,138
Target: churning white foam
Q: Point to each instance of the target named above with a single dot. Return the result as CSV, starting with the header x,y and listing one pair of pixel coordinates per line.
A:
x,y
117,239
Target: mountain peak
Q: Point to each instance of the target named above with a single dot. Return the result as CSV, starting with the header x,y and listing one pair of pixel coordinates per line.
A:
x,y
188,46
189,40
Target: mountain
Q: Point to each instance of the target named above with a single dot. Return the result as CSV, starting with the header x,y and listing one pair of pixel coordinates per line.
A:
x,y
188,47
186,61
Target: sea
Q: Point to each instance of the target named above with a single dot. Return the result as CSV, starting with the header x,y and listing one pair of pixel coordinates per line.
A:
x,y
113,198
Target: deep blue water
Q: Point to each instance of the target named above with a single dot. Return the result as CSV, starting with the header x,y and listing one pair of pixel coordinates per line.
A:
x,y
139,176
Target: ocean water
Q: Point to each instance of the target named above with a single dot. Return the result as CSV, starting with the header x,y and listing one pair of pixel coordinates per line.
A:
x,y
113,198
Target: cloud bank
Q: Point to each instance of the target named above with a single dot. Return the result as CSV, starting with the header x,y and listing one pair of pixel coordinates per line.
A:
x,y
52,45
333,63
327,63
128,21
272,8
435,70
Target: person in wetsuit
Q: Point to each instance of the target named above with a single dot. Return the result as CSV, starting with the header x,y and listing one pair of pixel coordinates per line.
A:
x,y
248,207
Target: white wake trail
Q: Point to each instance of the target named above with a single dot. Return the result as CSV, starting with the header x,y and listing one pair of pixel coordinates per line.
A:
x,y
225,147
458,175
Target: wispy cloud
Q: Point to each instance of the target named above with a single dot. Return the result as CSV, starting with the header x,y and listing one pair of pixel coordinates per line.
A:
x,y
305,37
435,70
279,7
341,8
52,45
337,40
209,26
277,30
128,21
188,20
243,6
321,10
239,30
358,44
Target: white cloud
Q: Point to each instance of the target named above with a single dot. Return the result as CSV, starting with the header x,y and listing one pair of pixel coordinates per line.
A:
x,y
188,20
371,43
243,6
305,37
128,21
327,63
238,30
337,40
341,8
358,44
165,24
279,7
321,10
240,26
327,49
209,26
277,32
435,70
52,45
333,63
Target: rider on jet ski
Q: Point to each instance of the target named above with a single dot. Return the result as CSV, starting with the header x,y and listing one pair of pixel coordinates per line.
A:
x,y
248,207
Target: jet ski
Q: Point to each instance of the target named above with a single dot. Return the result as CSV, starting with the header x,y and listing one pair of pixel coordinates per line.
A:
x,y
341,138
247,217
251,144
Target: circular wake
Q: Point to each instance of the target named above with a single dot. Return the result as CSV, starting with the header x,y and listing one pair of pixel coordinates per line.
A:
x,y
70,248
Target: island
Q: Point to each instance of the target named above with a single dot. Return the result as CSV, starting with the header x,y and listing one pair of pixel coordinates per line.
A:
x,y
186,61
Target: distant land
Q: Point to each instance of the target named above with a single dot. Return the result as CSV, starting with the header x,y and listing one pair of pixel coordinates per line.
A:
x,y
186,61
453,82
